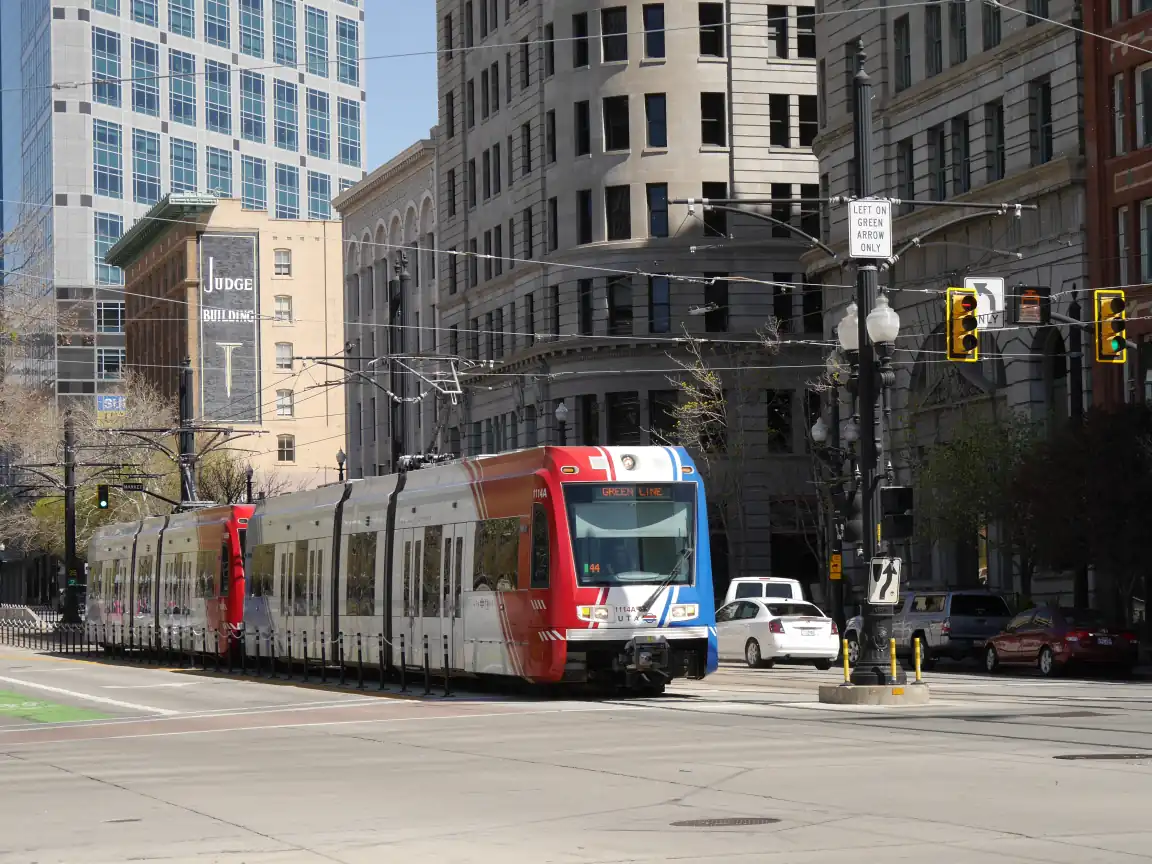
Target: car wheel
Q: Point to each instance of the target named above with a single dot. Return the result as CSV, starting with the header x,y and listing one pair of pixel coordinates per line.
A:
x,y
853,649
991,660
927,659
1047,664
823,665
752,654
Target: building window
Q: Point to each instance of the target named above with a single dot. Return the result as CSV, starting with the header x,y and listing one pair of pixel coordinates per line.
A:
x,y
657,209
450,190
283,309
253,183
782,209
809,124
284,32
486,161
580,40
715,221
286,118
525,149
252,27
112,7
659,305
583,123
472,183
780,421
107,159
1040,111
183,164
282,265
287,192
782,302
216,23
584,216
1122,251
994,155
654,47
779,133
553,224
622,411
284,406
711,17
713,120
584,302
614,30
285,448
937,166
716,300
990,25
219,165
961,155
470,103
902,35
182,87
473,264
957,31
525,65
905,175
145,167
1144,106
106,67
252,107
589,419
347,51
485,104
813,308
1146,240
145,78
109,228
110,364
618,210
656,113
319,124
810,209
806,32
316,41
1038,9
616,133
527,230
146,12
549,51
778,32
109,317
284,356
450,113
1119,116
319,196
182,17
662,405
218,97
550,136
620,306
933,40
349,131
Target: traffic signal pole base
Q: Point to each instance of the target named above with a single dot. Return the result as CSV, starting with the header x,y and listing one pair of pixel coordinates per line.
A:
x,y
876,665
839,694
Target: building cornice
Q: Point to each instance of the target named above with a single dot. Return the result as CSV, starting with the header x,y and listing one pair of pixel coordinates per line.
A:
x,y
170,209
420,155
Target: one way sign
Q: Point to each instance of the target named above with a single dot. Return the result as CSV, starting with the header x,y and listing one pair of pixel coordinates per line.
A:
x,y
884,581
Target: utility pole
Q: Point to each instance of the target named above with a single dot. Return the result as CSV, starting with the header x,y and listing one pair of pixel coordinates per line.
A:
x,y
1076,409
71,578
187,437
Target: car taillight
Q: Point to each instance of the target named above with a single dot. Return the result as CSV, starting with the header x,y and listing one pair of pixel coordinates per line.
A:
x,y
946,627
774,626
835,629
1076,635
1131,637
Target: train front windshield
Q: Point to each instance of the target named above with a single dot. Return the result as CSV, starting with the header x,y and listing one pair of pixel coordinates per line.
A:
x,y
632,534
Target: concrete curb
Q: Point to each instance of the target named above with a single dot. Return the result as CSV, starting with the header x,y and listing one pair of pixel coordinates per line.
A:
x,y
850,694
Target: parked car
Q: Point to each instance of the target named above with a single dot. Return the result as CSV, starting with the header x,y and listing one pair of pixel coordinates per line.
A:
x,y
762,631
744,587
953,624
1054,638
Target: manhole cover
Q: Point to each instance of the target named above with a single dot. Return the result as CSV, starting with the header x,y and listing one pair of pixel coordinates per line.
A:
x,y
737,822
1105,757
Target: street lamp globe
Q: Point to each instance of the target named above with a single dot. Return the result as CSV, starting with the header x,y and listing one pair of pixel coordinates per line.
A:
x,y
883,323
850,432
848,330
561,413
341,457
819,431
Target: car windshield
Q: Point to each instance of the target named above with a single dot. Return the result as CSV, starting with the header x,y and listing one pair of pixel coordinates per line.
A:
x,y
980,606
627,534
1082,618
781,610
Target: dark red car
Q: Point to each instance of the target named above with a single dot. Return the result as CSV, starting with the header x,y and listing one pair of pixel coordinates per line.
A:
x,y
1053,638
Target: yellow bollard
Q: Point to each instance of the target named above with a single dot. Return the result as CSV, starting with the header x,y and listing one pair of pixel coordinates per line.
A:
x,y
892,657
916,653
844,653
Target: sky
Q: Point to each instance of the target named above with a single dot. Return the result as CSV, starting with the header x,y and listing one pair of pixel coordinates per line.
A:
x,y
402,98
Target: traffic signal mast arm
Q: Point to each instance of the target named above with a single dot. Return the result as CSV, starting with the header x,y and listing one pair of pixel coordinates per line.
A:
x,y
1084,325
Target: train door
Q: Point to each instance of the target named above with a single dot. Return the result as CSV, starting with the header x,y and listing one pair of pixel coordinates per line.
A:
x,y
432,595
320,598
452,584
410,546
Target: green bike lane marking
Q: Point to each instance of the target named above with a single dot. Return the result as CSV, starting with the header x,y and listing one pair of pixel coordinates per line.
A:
x,y
17,705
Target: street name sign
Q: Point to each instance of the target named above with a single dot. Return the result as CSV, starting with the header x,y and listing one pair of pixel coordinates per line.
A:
x,y
133,486
884,581
870,228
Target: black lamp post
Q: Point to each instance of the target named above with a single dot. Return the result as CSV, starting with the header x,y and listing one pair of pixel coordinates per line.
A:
x,y
562,421
248,483
341,458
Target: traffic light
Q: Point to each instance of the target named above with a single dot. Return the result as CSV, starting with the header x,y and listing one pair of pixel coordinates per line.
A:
x,y
102,496
896,513
963,326
1111,342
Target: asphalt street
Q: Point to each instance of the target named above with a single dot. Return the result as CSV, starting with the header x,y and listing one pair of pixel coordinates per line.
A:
x,y
107,763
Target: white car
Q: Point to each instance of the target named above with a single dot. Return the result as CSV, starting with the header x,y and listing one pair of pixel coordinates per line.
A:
x,y
769,587
762,631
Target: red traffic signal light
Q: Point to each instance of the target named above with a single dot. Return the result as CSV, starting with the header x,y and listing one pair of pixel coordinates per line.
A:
x,y
963,325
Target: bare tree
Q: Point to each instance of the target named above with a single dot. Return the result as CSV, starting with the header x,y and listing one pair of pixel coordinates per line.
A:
x,y
224,479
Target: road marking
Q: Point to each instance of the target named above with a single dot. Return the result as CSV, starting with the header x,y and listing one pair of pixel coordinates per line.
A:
x,y
148,686
164,712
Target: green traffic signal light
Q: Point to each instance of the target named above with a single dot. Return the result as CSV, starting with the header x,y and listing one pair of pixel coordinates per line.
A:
x,y
102,497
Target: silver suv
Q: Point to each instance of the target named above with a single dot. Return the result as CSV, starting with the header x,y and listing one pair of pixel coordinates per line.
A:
x,y
952,624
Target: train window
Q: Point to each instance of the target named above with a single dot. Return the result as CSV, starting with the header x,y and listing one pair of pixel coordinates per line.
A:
x,y
205,577
284,584
300,587
361,587
260,577
497,555
318,583
416,564
433,540
407,577
225,569
446,582
459,573
540,554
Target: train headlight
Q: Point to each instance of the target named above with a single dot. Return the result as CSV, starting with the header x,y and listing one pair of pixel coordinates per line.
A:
x,y
683,611
593,613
